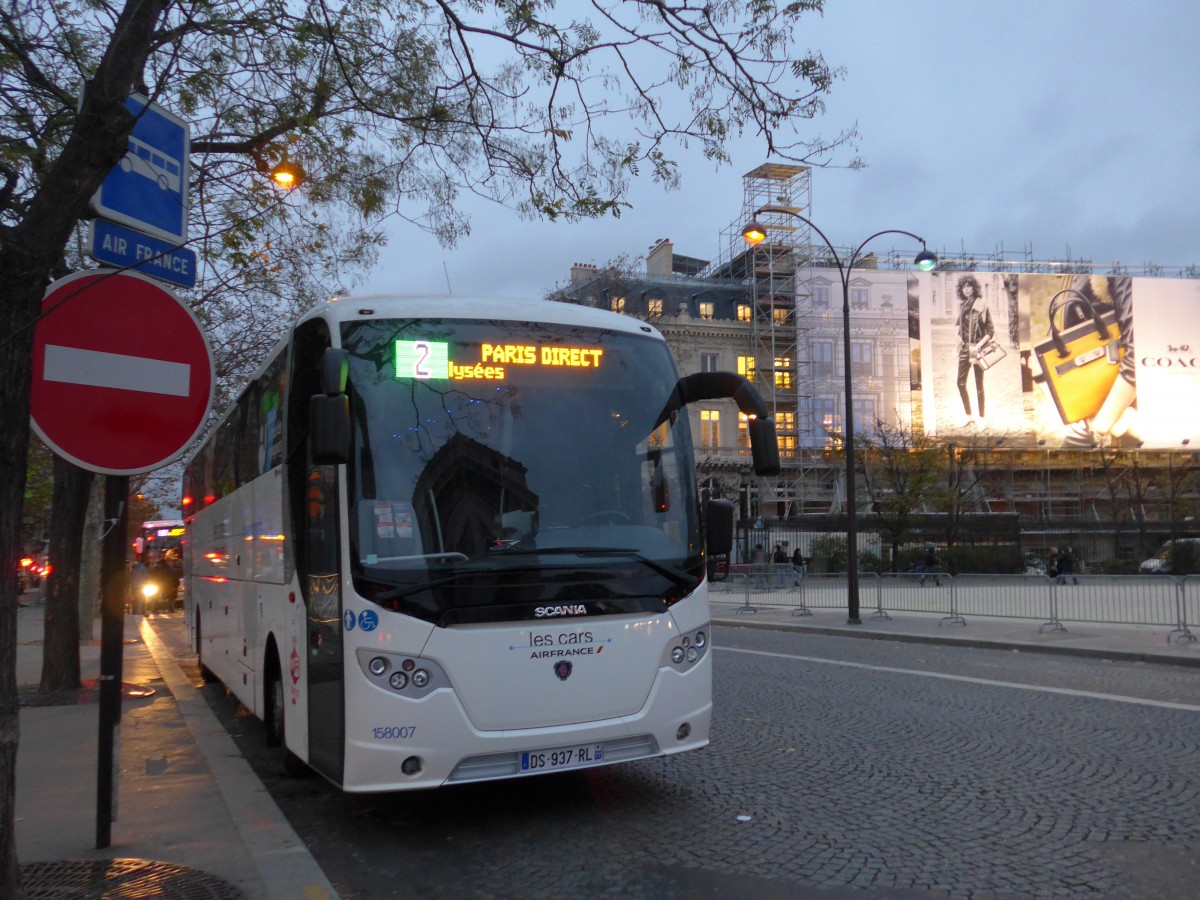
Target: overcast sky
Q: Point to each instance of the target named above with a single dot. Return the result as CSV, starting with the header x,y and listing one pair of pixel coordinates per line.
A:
x,y
1055,126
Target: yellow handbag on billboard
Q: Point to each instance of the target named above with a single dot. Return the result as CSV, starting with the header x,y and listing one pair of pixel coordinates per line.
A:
x,y
1081,357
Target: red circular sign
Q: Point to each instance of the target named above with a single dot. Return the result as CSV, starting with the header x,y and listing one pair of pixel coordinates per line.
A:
x,y
122,373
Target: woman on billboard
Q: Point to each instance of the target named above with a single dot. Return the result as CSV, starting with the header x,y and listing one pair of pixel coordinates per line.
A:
x,y
975,329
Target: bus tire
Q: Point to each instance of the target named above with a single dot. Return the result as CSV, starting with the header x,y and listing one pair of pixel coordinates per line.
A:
x,y
276,712
206,674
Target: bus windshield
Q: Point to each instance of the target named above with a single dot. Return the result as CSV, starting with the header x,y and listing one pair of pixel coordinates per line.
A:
x,y
502,466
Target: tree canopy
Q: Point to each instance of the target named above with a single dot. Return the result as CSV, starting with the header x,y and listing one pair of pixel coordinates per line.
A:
x,y
393,108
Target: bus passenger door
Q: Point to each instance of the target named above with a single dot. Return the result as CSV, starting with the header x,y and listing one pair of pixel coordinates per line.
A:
x,y
313,499
326,706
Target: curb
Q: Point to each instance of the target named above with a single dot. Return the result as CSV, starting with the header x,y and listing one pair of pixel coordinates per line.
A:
x,y
909,637
285,867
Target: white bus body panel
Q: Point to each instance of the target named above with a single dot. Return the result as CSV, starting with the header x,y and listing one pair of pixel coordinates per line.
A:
x,y
504,700
241,593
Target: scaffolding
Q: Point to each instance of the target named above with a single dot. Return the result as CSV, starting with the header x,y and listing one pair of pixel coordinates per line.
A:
x,y
780,309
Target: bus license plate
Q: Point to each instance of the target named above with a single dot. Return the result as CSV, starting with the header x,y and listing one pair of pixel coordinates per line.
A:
x,y
562,758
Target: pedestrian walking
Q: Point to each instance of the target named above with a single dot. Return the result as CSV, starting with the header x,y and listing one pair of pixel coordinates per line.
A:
x,y
758,566
779,563
799,561
929,569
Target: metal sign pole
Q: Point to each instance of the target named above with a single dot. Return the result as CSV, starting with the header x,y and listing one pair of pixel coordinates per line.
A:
x,y
112,634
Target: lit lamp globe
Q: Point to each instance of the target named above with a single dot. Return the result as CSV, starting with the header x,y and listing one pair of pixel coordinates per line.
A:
x,y
287,175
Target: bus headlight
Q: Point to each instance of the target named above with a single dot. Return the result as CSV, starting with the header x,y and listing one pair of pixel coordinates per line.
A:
x,y
687,649
410,676
149,590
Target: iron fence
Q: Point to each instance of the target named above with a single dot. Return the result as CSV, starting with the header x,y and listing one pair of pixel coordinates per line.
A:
x,y
1159,600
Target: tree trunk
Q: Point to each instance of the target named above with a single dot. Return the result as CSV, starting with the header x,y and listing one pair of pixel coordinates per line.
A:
x,y
89,563
60,654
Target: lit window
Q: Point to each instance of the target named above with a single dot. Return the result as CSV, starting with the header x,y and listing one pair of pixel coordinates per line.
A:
x,y
783,372
781,314
617,304
785,421
746,366
706,309
743,434
709,362
654,307
710,428
743,312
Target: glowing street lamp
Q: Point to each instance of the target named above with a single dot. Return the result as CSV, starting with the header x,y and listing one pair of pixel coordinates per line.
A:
x,y
287,175
755,233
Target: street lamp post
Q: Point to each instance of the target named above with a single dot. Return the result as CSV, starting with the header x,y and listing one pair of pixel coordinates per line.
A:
x,y
754,234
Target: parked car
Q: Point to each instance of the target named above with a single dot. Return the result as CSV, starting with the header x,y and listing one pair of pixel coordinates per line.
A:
x,y
1160,562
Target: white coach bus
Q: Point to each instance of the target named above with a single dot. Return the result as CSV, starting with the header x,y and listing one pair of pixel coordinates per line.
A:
x,y
441,540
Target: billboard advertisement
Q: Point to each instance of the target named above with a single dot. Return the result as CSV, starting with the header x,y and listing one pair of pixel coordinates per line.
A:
x,y
1056,360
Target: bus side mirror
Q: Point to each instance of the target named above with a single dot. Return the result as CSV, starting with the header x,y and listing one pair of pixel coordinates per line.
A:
x,y
764,446
329,433
718,527
335,371
329,412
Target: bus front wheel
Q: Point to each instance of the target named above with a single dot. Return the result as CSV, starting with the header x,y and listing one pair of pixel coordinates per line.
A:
x,y
276,710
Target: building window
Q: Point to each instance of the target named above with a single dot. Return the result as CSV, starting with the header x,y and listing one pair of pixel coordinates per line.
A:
x,y
743,312
705,309
781,315
820,297
743,434
710,362
654,307
746,367
783,372
710,428
864,415
862,358
825,416
822,359
787,443
860,298
617,304
785,421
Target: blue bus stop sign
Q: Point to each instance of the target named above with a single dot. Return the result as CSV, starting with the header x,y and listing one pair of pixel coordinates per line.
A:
x,y
147,190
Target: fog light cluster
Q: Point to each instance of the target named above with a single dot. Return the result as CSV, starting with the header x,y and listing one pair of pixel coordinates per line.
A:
x,y
399,673
689,648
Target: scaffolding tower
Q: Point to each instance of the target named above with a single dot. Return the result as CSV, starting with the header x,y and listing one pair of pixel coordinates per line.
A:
x,y
780,310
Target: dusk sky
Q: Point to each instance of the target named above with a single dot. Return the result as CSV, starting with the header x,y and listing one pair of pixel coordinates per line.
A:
x,y
1054,127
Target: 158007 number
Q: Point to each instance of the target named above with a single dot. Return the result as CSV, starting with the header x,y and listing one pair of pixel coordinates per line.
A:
x,y
394,732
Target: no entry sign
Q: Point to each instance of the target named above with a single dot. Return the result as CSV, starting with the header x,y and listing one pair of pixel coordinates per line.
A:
x,y
122,373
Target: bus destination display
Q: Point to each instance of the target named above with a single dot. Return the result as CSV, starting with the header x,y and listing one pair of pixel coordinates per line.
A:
x,y
429,360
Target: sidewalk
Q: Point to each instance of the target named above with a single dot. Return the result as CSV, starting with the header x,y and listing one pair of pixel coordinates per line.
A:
x,y
1136,643
192,819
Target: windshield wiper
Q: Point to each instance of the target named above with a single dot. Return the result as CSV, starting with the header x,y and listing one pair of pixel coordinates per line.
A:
x,y
678,577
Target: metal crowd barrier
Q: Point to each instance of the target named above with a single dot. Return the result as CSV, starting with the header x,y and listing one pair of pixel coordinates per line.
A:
x,y
1162,600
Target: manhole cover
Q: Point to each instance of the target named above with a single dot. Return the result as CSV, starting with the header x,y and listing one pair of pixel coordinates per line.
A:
x,y
122,879
88,692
